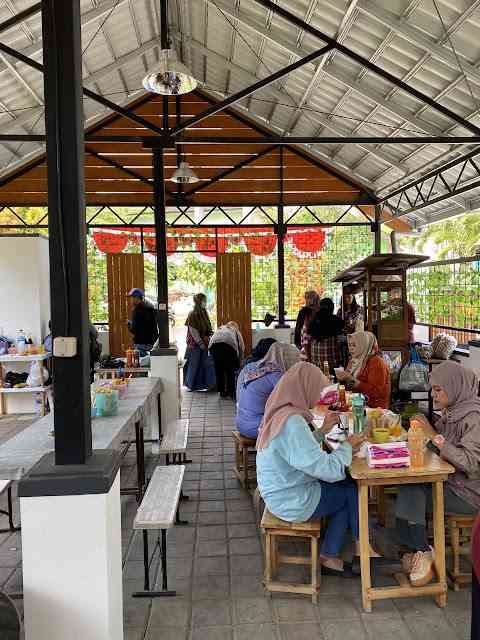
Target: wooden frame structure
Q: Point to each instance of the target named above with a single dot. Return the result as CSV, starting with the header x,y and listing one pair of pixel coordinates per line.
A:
x,y
382,279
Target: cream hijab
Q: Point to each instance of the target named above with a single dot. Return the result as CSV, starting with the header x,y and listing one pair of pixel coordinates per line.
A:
x,y
367,345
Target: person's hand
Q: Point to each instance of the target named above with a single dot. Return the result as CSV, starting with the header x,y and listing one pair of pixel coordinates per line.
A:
x,y
330,420
344,376
419,417
439,441
356,440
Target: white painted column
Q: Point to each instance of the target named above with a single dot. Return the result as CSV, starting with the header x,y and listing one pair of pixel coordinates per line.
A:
x,y
165,367
72,566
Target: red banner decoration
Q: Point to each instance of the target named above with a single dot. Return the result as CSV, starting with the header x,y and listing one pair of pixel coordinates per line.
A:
x,y
110,242
207,246
151,245
310,241
261,245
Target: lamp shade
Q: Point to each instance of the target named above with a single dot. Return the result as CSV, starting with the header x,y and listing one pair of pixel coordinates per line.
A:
x,y
171,78
184,174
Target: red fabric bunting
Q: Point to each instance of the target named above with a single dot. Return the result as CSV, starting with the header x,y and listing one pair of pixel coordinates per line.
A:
x,y
261,245
310,241
110,242
150,244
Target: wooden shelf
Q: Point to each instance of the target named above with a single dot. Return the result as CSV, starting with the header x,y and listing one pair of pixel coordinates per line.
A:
x,y
40,357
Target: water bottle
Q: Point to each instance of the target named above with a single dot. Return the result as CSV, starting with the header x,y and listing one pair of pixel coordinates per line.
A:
x,y
20,342
358,411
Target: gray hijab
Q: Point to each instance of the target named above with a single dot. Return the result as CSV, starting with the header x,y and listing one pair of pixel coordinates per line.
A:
x,y
461,386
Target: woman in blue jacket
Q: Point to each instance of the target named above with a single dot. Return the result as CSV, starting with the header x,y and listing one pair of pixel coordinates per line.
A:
x,y
296,478
256,382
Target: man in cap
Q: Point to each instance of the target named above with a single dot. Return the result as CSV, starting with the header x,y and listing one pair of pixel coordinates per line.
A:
x,y
143,323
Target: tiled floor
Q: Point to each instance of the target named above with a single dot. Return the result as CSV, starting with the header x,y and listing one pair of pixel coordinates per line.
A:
x,y
215,563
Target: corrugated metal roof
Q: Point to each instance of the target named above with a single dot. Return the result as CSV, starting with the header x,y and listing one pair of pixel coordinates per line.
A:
x,y
433,46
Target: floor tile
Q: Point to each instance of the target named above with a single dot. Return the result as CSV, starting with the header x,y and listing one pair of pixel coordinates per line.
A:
x,y
215,532
212,548
246,565
242,530
211,517
252,610
211,566
212,633
211,586
263,631
208,613
436,627
244,546
332,607
166,633
291,610
170,612
387,629
247,585
343,630
301,631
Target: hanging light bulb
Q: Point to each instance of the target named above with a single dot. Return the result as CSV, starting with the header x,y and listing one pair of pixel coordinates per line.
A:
x,y
184,174
171,78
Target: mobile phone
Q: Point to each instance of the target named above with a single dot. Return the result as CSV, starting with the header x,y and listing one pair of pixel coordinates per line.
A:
x,y
433,447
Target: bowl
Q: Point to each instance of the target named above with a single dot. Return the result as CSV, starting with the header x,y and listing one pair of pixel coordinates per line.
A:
x,y
381,436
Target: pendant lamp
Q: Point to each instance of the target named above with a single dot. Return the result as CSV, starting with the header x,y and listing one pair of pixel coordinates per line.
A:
x,y
171,78
184,174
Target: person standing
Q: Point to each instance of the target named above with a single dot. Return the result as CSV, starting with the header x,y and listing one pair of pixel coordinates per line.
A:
x,y
312,304
351,313
198,371
143,323
227,349
322,342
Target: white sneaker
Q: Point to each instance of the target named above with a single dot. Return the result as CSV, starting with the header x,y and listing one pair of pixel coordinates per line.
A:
x,y
421,572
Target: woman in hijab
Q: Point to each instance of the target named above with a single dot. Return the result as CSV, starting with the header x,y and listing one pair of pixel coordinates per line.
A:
x,y
256,382
296,478
312,303
457,436
261,350
198,371
227,349
324,330
367,372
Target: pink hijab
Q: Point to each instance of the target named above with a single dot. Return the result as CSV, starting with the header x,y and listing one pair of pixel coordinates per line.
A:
x,y
296,393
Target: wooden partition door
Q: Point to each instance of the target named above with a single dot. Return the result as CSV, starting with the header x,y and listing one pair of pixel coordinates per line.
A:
x,y
124,272
234,292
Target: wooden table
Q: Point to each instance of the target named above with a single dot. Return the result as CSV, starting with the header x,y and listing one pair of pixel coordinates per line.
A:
x,y
435,471
135,372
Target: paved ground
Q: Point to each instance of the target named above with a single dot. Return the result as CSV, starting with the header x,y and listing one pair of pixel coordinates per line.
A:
x,y
216,566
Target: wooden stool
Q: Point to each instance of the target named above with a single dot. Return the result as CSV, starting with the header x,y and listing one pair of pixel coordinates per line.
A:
x,y
460,529
275,529
244,466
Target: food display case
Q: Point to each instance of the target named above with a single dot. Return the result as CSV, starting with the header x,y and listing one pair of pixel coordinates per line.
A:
x,y
382,279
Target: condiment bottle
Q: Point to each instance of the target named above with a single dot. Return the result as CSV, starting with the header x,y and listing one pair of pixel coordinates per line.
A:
x,y
136,358
326,369
129,358
342,397
416,444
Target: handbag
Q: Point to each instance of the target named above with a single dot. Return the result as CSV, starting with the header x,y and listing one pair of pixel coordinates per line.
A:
x,y
414,375
443,345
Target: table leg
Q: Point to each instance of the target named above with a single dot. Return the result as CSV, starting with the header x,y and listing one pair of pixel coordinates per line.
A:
x,y
364,546
140,452
439,540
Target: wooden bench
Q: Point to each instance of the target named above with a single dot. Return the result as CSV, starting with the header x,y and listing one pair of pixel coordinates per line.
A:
x,y
159,511
6,485
460,528
174,442
276,529
245,467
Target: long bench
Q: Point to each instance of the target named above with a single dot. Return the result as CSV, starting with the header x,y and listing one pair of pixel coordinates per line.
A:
x,y
174,442
159,511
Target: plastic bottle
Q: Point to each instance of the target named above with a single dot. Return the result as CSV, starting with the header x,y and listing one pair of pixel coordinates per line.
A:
x,y
416,444
358,412
342,397
20,342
